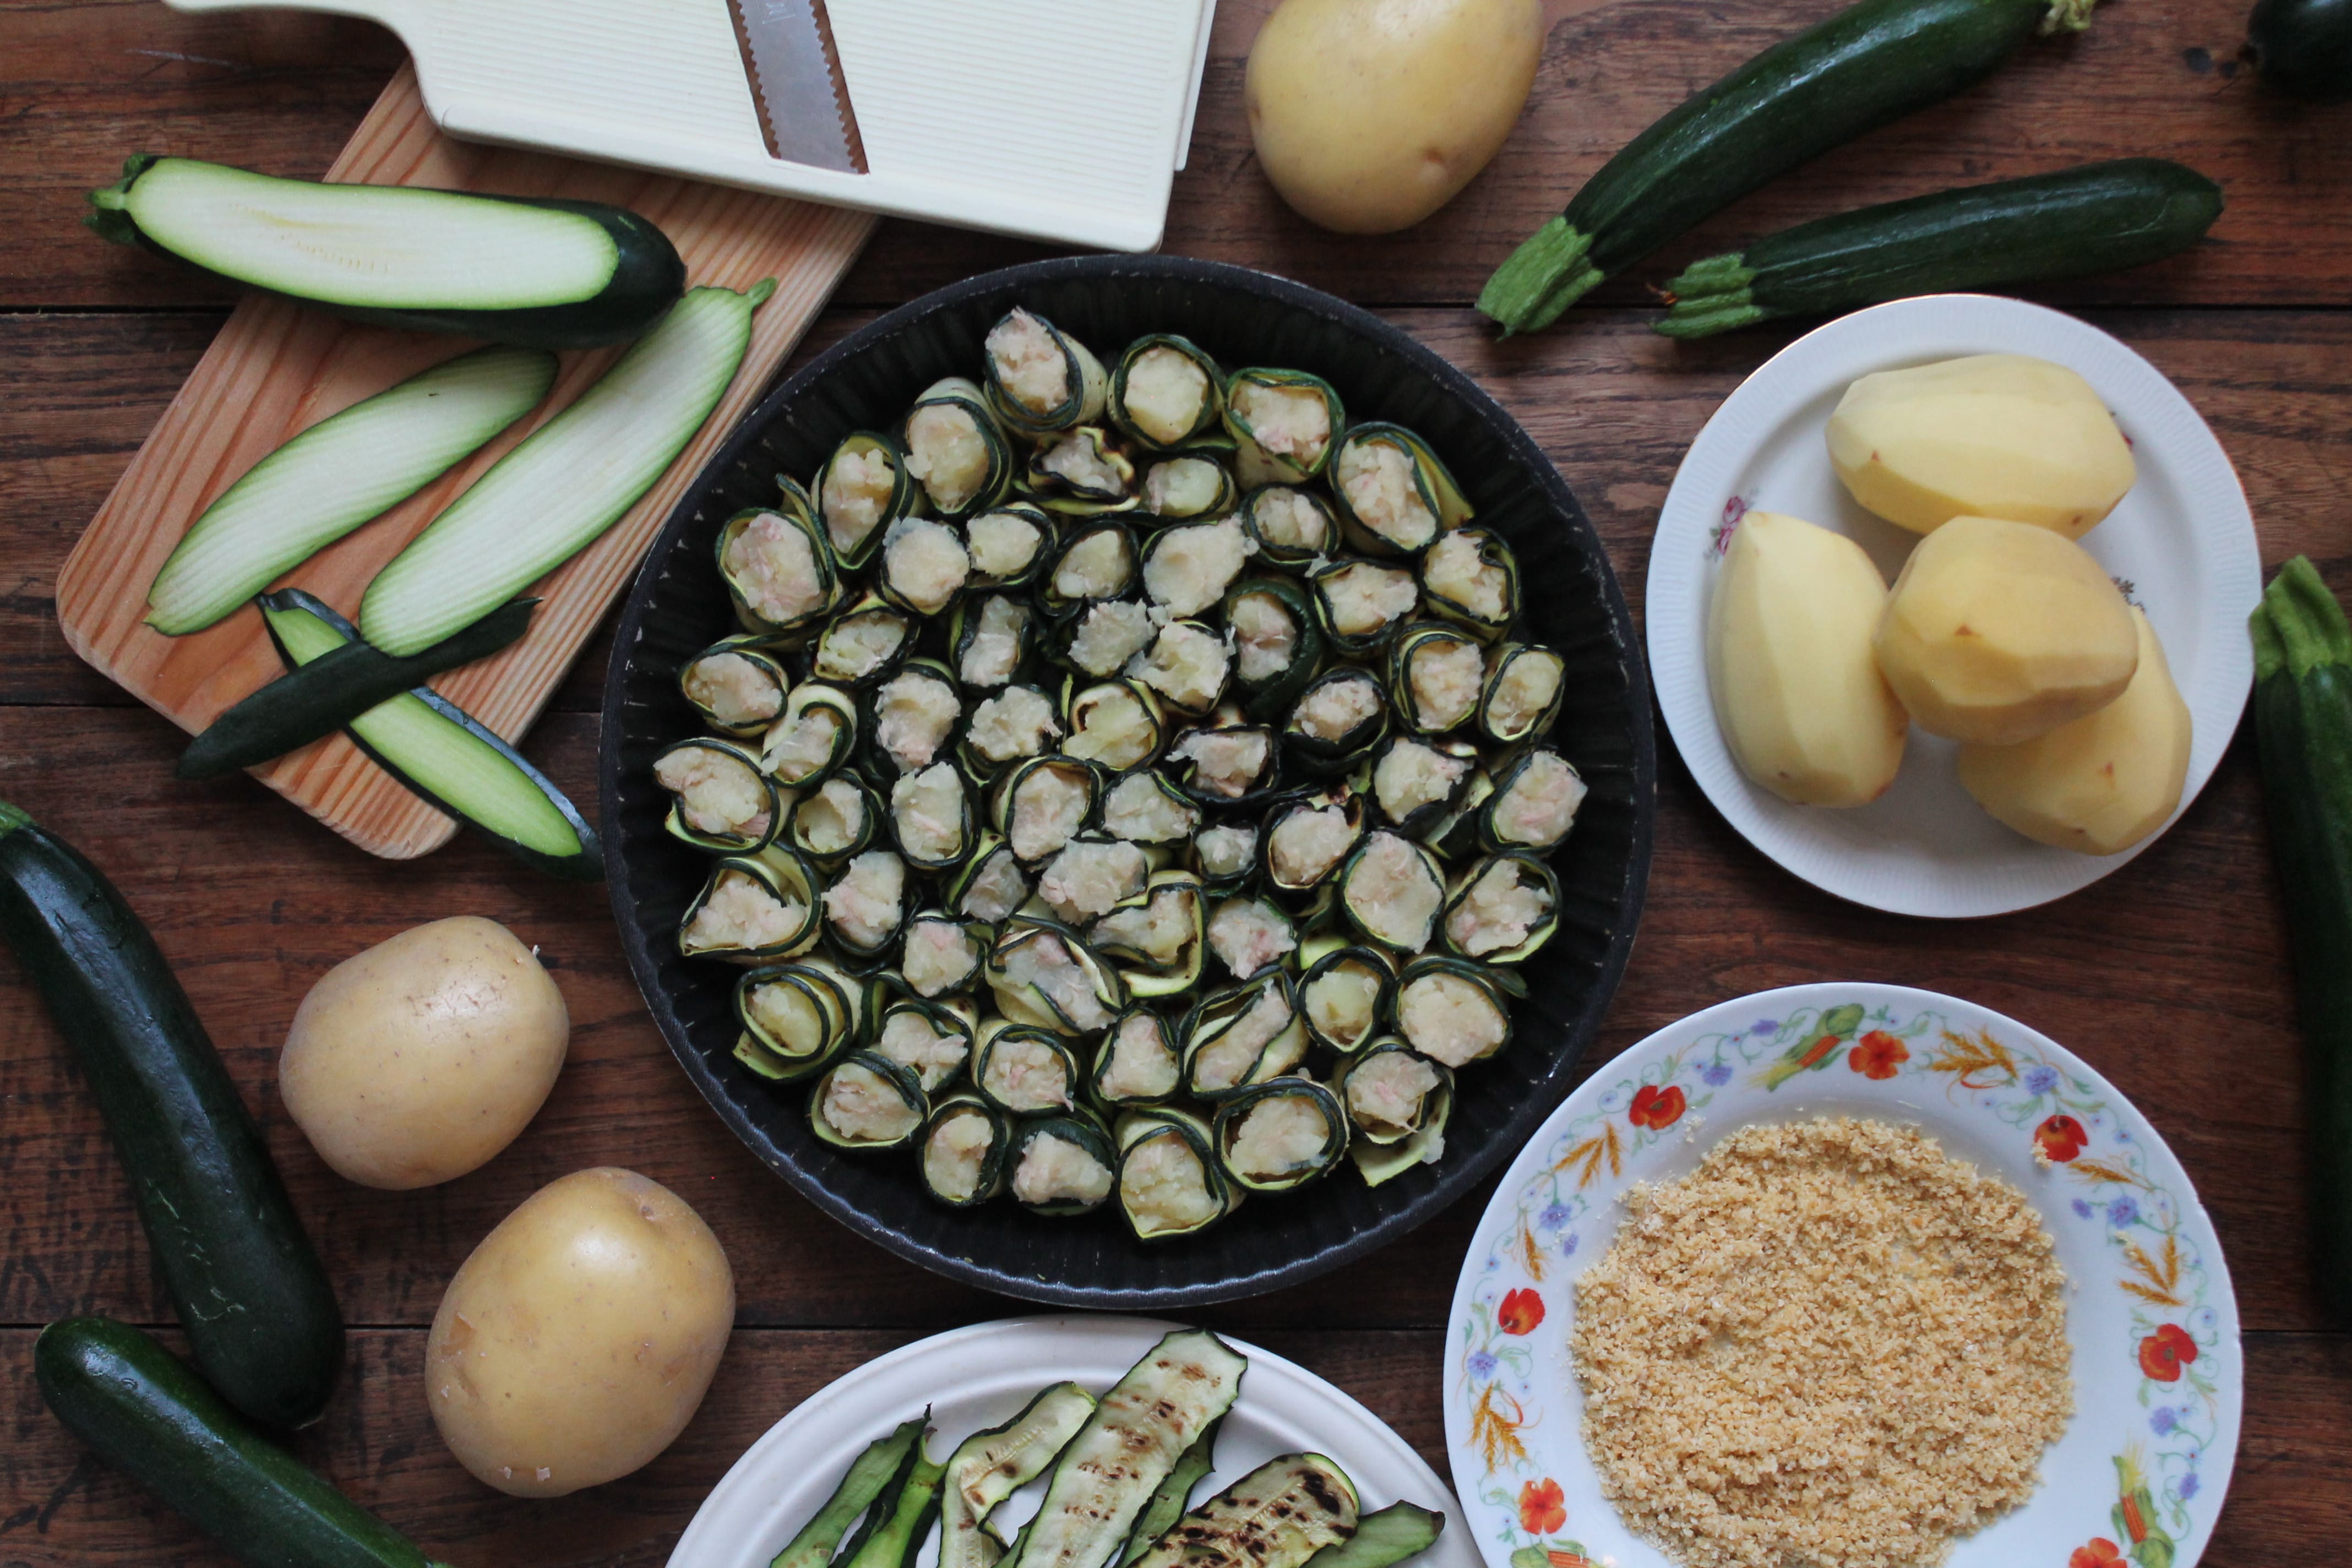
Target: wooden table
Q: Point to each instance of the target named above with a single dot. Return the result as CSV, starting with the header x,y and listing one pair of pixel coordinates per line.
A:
x,y
2170,976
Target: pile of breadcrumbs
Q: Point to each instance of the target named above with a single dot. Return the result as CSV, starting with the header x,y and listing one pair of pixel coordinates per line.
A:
x,y
1832,1344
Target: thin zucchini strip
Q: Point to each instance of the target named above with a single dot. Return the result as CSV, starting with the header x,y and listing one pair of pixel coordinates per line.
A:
x,y
893,1541
989,1466
1278,1516
885,1461
341,472
555,494
1174,1496
438,750
1383,1538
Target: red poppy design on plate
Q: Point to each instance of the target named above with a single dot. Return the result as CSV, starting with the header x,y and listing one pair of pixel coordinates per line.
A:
x,y
1542,1508
1879,1054
2164,1352
1520,1312
2100,1552
2061,1138
1657,1108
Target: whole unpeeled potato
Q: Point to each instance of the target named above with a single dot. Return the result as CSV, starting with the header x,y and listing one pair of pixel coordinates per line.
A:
x,y
578,1340
417,1060
1369,115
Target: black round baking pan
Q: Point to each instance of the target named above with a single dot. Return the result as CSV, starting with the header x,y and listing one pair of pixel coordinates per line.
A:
x,y
1573,604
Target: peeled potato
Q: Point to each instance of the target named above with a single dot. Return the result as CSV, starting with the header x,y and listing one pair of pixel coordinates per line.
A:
x,y
1998,631
578,1340
1797,691
1991,436
1369,115
2102,784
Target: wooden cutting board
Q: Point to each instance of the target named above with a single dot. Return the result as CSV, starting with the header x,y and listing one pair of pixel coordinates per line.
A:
x,y
277,368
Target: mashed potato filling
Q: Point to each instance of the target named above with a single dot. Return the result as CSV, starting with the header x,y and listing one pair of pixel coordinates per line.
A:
x,y
717,794
856,646
996,889
1090,876
1451,1018
1446,676
1342,1003
939,956
913,712
1025,1075
1096,567
1247,934
1186,665
947,453
1524,690
1139,808
1030,364
1265,633
1227,850
1190,568
1002,545
994,651
864,905
1141,1065
1539,807
1502,907
1164,394
1292,423
1015,722
1054,1170
1225,1062
788,1015
924,563
773,566
1456,570
1363,597
1183,487
1163,1186
1225,763
955,1156
1393,893
927,811
734,690
863,1106
1335,709
831,820
1385,1092
1156,932
1306,845
1411,775
914,1042
1383,492
856,494
1280,1136
1290,519
1109,635
742,915
1049,805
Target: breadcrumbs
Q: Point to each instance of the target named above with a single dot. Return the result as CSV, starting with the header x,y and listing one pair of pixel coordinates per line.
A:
x,y
1832,1345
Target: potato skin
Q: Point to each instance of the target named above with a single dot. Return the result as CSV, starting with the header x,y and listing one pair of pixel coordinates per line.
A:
x,y
2102,784
1999,631
1796,690
1369,115
419,1059
578,1340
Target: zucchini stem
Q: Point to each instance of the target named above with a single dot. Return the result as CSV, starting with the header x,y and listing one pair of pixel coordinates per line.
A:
x,y
1710,296
2067,16
2299,625
1546,274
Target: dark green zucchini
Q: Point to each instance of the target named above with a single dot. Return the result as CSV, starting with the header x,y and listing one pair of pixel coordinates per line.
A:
x,y
1174,1495
320,697
1384,1537
534,270
2302,724
1871,63
147,1414
2303,46
875,1473
261,1315
897,1528
2094,217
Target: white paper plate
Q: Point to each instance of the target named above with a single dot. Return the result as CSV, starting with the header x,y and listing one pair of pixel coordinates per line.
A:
x,y
979,1376
2183,539
2146,1274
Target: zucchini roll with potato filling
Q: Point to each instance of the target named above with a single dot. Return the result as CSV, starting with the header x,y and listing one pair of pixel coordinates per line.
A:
x,y
1291,527
1503,908
752,907
1119,725
813,738
1534,805
1062,1164
1224,855
1081,472
1395,496
932,1040
942,954
796,1016
1521,695
1243,1034
1040,379
1363,604
955,448
779,569
1435,676
864,488
967,1144
1156,937
1006,546
990,638
736,686
1171,1183
1346,991
1102,635
924,566
719,800
913,713
1283,423
1226,762
931,818
1276,1136
1166,394
868,1101
1024,1071
1137,1064
1042,974
1017,722
866,906
1470,578
838,819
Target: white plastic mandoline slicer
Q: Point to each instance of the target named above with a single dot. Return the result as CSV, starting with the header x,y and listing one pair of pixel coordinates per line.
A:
x,y
1059,120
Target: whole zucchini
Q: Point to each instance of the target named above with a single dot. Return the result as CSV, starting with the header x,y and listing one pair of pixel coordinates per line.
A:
x,y
2094,217
1871,63
2303,726
2303,46
261,1315
145,1413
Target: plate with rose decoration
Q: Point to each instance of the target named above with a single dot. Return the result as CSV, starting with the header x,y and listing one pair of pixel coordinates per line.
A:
x,y
2137,1478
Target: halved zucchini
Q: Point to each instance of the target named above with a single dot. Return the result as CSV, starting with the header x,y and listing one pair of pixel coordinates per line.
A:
x,y
796,1017
924,566
1040,804
752,909
1225,763
1063,1164
719,800
1189,664
1278,1135
1364,604
990,885
931,818
989,1466
1158,936
839,819
1307,837
990,637
1247,934
1340,717
1345,990
967,1144
1119,725
1537,793
1040,379
1094,561
1277,643
1392,1091
813,738
1169,1183
866,1100
956,449
1452,1011
862,489
1395,496
1436,672
1393,889
1008,545
1168,394
1502,908
1024,1070
1137,1063
1083,471
1521,697
1291,527
866,905
1242,1035
1044,975
1284,423
1189,486
863,643
1416,785
910,717
1144,807
1470,578
942,954
778,568
736,685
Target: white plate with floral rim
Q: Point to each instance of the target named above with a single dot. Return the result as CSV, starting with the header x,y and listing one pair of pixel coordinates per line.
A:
x,y
2182,543
978,1376
2137,1477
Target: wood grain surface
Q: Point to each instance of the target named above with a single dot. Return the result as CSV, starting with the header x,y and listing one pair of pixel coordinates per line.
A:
x,y
2170,976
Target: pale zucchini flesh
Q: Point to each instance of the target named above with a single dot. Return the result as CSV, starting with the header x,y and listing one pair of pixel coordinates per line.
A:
x,y
989,1466
1174,1495
1278,1516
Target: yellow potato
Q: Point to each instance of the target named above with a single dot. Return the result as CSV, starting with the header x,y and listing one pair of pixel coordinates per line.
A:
x,y
417,1060
1797,691
1990,435
1998,631
1369,115
2102,784
577,1340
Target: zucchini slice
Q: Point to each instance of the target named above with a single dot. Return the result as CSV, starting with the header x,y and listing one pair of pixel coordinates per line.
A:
x,y
1063,1164
1277,1136
991,1465
891,1538
878,1470
1242,1036
440,751
1175,1494
573,479
535,270
1169,1183
1383,1538
967,1145
340,473
1278,1516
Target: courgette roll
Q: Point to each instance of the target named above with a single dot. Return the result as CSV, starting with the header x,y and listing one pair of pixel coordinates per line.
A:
x,y
942,953
1435,674
1522,693
779,569
1226,856
1248,934
988,639
1392,889
1024,1071
1155,936
1118,725
1188,567
863,489
752,909
1039,378
1502,908
1292,527
1452,1011
719,800
1167,394
1089,876
911,715
1100,639
1470,578
1278,1136
1227,761
1063,1164
933,1040
1362,604
866,1100
1345,990
863,643
1040,802
865,906
1189,487
1017,722
1189,664
1007,545
1307,838
924,566
1392,1091
1416,784
1277,643
1340,717
931,818
1044,975
1082,472
1242,1035
812,739
990,885
1395,496
1169,1181
1144,807
1096,560
967,1144
736,685
956,449
1137,1064
796,1016
1536,798
1456,833
835,821
1283,423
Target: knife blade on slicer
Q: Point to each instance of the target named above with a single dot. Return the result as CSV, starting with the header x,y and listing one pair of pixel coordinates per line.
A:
x,y
796,83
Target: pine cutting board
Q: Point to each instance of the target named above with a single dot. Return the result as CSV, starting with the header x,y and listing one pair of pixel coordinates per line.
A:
x,y
276,369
